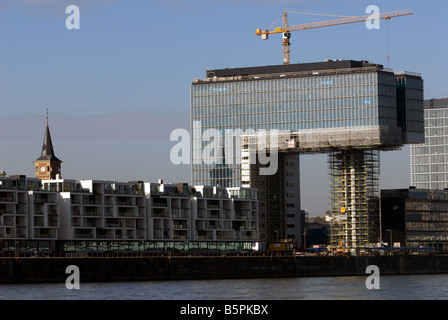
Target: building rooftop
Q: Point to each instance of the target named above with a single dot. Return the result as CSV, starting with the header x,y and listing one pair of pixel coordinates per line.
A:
x,y
435,103
291,68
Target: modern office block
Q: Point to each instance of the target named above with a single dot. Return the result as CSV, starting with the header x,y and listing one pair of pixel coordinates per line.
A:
x,y
429,160
340,103
340,107
415,217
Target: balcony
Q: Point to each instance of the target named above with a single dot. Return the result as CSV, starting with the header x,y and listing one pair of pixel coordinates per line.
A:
x,y
225,235
127,212
204,235
39,222
125,201
160,213
92,200
159,202
93,211
83,233
46,233
180,225
8,198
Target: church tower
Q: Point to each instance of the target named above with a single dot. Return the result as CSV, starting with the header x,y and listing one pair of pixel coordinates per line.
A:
x,y
47,166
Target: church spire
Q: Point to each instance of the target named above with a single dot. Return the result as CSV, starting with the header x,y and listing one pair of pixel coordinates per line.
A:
x,y
47,165
47,147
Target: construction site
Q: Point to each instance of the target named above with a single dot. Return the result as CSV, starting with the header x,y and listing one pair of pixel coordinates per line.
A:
x,y
349,110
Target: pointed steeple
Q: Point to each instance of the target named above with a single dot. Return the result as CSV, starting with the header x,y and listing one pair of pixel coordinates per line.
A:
x,y
47,166
47,147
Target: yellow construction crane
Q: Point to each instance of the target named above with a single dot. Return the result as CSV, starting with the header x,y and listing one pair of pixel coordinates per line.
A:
x,y
286,28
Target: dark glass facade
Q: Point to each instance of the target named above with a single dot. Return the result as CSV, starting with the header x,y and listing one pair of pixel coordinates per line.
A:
x,y
415,217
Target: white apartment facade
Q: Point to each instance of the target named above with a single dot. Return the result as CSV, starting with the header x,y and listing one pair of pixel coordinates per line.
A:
x,y
99,211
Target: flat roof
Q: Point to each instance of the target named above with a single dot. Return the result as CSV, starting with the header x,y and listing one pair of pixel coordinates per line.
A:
x,y
435,103
290,68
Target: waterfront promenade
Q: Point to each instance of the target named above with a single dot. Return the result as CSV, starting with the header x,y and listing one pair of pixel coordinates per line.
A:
x,y
137,267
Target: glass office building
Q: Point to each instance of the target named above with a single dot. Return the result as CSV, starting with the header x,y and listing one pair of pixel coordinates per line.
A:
x,y
429,161
310,98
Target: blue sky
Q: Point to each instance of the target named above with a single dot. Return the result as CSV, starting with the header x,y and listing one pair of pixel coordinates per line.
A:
x,y
118,86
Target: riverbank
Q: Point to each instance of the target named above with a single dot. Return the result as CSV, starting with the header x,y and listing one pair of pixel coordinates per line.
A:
x,y
95,269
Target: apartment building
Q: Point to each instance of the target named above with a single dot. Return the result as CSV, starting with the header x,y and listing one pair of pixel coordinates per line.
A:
x,y
225,214
96,215
97,209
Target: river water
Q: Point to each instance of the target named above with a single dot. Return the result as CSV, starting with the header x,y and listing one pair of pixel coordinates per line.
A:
x,y
402,287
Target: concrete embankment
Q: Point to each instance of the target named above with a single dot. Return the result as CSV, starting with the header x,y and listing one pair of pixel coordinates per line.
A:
x,y
92,269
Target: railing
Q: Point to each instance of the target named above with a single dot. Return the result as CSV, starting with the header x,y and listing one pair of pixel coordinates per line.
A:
x,y
152,254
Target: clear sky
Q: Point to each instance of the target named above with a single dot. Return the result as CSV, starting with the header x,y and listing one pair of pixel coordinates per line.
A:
x,y
118,86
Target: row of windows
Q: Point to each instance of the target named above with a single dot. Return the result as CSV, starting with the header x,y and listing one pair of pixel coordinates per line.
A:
x,y
321,114
287,95
436,113
425,159
224,182
429,159
431,185
429,150
429,168
288,123
412,83
359,79
414,95
339,117
440,131
386,78
426,177
295,105
433,141
304,110
436,122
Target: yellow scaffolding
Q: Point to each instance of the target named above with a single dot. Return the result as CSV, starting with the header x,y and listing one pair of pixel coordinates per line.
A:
x,y
354,198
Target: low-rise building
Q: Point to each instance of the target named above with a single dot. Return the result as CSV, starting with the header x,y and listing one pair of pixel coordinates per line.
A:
x,y
415,217
96,215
